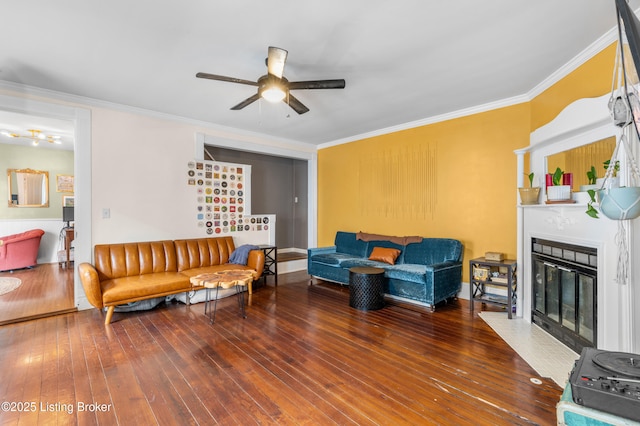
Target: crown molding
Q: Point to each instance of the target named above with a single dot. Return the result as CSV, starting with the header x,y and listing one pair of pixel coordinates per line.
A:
x,y
593,49
431,120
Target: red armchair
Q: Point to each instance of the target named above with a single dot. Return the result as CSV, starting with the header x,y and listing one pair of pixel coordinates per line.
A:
x,y
20,250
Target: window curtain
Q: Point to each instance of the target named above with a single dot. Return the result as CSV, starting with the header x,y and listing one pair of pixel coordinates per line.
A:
x,y
30,188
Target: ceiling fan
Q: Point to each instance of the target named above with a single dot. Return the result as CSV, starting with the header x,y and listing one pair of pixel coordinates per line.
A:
x,y
273,86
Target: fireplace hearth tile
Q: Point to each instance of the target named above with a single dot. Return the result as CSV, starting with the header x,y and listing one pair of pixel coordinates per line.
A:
x,y
544,353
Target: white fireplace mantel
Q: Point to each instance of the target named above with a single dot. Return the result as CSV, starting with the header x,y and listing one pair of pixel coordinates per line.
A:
x,y
618,304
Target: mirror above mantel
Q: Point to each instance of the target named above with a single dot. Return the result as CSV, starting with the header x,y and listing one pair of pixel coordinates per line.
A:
x,y
579,160
28,188
580,124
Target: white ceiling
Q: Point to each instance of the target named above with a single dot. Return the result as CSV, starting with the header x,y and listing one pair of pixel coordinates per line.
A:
x,y
403,61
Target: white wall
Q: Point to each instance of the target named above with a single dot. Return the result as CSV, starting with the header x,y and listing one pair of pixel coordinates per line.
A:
x,y
135,163
139,167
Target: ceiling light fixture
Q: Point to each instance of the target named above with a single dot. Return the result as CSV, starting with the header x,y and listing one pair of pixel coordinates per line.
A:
x,y
35,136
273,94
272,88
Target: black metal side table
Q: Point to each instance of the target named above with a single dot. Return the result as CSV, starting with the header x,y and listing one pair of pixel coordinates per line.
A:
x,y
366,288
270,262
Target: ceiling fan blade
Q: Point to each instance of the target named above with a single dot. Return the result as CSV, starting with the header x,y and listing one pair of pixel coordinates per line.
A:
x,y
295,104
276,60
317,84
223,78
246,102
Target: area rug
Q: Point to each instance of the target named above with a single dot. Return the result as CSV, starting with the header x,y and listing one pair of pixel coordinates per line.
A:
x,y
544,353
8,284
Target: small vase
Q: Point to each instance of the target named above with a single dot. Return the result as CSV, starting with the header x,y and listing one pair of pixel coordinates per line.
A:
x,y
559,193
529,196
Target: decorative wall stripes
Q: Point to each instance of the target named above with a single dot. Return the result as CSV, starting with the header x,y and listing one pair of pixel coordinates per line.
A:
x,y
399,183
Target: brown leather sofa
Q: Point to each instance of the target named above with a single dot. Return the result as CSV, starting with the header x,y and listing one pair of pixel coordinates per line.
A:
x,y
129,272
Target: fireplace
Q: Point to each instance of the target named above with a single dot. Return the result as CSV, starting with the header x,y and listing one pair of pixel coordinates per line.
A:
x,y
571,237
564,291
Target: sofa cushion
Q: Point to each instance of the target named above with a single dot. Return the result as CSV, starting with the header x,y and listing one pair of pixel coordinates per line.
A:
x,y
347,243
200,252
128,289
408,272
354,263
384,254
332,258
133,259
433,250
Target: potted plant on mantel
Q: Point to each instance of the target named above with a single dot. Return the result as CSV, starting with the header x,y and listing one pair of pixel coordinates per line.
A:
x,y
592,177
558,192
529,195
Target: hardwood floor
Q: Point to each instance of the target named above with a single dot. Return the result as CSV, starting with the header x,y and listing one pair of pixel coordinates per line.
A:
x,y
47,289
302,356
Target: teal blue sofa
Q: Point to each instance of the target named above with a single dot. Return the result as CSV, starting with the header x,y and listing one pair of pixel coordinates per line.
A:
x,y
429,271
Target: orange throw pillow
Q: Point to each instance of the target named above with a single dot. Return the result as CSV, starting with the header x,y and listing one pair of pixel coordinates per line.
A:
x,y
384,254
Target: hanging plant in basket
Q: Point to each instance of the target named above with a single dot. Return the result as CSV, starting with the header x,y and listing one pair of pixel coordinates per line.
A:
x,y
620,203
623,203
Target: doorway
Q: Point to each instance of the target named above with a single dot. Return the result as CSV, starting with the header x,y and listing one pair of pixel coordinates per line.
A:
x,y
41,146
79,120
279,186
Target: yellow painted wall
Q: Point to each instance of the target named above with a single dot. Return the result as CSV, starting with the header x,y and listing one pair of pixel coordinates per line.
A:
x,y
466,166
472,199
590,80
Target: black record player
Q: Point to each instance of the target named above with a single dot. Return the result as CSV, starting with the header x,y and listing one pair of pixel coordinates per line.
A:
x,y
607,381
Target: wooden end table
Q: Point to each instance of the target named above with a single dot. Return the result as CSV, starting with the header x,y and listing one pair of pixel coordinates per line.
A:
x,y
237,278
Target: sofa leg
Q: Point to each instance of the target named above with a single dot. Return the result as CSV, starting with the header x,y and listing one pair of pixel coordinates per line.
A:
x,y
110,310
310,279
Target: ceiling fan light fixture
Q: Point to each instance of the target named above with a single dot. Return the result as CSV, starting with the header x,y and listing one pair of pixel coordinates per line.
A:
x,y
273,86
273,94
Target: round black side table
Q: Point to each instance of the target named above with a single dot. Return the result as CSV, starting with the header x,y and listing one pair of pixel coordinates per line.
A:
x,y
366,288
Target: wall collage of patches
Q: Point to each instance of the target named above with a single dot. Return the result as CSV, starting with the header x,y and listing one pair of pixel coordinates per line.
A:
x,y
223,193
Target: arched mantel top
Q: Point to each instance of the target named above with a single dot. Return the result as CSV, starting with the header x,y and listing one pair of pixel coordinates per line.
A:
x,y
583,121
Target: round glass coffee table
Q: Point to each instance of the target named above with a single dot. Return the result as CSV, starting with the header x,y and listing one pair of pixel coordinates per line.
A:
x,y
237,278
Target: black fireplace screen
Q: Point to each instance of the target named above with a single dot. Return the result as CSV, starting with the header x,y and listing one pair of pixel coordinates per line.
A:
x,y
564,291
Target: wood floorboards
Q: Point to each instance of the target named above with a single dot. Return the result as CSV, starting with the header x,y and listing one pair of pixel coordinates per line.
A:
x,y
301,357
46,289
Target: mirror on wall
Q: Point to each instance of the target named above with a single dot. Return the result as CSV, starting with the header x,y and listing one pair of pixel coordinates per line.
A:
x,y
580,159
28,188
